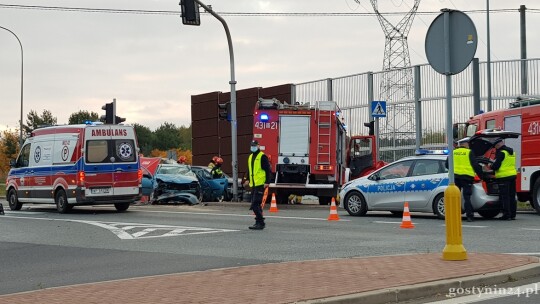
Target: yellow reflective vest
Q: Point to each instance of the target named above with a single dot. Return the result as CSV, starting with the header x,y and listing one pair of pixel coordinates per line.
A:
x,y
508,166
257,176
462,162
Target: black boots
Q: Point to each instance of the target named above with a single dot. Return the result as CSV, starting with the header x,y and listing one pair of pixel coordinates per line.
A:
x,y
257,226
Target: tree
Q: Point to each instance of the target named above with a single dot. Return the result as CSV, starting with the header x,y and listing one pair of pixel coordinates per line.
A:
x,y
9,148
185,137
34,121
167,137
82,116
145,137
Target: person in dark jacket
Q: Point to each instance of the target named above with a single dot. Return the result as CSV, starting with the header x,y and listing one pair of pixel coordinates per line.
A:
x,y
505,176
259,174
465,168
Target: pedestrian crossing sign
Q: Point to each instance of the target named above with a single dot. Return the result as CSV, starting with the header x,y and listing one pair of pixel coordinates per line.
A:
x,y
378,108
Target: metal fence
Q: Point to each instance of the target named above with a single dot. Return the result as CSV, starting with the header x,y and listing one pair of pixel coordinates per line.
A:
x,y
416,112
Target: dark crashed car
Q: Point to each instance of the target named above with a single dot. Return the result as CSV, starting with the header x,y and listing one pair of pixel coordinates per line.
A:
x,y
170,183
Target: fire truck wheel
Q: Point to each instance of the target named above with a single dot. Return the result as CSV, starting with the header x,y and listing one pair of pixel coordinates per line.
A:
x,y
536,196
120,207
325,200
61,202
355,204
13,200
438,206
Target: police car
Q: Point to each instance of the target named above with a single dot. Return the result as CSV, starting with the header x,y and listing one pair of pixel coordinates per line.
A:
x,y
419,180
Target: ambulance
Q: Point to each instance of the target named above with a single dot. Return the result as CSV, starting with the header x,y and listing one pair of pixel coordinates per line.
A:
x,y
86,164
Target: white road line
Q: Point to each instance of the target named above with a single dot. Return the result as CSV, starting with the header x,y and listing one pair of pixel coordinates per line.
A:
x,y
266,215
383,222
531,229
140,230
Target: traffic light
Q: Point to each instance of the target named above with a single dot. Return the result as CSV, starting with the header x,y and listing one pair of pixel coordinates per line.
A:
x,y
190,12
371,127
118,119
225,111
109,113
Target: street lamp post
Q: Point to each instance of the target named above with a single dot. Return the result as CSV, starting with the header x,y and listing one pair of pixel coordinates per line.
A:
x,y
22,77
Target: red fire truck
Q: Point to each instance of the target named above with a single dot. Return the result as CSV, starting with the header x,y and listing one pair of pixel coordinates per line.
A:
x,y
308,149
523,116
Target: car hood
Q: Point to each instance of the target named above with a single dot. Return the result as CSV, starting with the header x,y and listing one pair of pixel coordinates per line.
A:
x,y
176,179
482,141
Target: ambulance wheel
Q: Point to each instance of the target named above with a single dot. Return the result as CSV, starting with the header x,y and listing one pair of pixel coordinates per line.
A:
x,y
120,207
13,200
438,206
355,204
61,202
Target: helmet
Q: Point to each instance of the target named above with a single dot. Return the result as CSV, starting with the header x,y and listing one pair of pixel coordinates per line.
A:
x,y
215,158
219,160
182,159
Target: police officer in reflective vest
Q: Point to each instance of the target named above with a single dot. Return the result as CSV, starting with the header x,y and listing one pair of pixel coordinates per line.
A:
x,y
505,176
259,178
465,167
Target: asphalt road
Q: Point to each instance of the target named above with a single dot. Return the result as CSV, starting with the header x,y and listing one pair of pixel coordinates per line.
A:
x,y
42,248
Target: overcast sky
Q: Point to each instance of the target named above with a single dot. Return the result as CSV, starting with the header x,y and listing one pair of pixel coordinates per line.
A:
x,y
152,63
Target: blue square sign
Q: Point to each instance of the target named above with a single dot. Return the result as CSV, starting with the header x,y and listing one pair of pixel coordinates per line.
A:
x,y
378,108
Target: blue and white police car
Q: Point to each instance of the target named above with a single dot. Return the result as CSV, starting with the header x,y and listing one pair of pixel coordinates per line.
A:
x,y
419,180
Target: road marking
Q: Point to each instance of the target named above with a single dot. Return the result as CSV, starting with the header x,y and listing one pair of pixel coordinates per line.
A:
x,y
130,231
532,229
383,222
247,215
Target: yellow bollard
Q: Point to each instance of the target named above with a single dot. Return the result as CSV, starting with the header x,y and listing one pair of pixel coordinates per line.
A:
x,y
454,250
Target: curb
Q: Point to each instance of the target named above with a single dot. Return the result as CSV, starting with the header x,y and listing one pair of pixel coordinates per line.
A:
x,y
441,287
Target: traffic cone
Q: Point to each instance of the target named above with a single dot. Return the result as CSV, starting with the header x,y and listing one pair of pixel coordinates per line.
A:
x,y
406,222
273,204
333,211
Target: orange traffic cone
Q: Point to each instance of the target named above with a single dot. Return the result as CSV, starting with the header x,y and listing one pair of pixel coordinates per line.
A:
x,y
333,212
406,222
273,204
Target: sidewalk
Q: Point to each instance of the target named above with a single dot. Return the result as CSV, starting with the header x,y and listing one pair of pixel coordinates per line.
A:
x,y
355,280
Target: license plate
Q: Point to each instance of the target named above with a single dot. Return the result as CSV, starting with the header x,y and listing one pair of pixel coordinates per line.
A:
x,y
100,190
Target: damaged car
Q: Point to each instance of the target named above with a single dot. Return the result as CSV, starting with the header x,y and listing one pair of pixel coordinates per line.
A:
x,y
169,183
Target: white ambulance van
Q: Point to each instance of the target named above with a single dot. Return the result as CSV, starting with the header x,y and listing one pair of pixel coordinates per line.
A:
x,y
87,164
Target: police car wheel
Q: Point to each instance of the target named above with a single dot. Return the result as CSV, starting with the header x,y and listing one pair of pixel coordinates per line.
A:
x,y
13,200
489,213
355,204
61,202
438,206
536,195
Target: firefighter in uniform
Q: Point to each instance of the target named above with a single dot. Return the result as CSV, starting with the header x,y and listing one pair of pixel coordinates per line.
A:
x,y
216,170
505,176
259,178
465,167
182,160
212,162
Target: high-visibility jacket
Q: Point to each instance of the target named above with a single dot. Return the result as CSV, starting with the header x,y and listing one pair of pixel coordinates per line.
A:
x,y
462,162
508,166
257,176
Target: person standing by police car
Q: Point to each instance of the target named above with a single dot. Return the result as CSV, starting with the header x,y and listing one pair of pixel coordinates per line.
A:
x,y
258,178
465,167
505,176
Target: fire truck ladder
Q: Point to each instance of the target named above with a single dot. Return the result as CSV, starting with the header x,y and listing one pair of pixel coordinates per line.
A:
x,y
324,131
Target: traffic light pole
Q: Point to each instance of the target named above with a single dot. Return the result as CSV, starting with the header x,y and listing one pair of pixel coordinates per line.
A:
x,y
233,101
